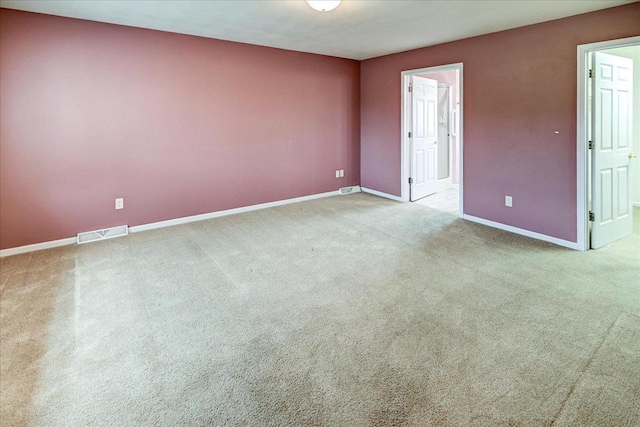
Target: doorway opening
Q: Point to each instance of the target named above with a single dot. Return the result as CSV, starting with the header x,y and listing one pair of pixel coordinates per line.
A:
x,y
608,169
432,137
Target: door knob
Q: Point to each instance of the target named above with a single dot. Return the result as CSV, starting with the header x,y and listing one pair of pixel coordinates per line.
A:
x,y
631,156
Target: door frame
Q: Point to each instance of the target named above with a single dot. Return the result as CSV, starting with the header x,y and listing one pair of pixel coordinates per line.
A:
x,y
449,140
582,155
405,125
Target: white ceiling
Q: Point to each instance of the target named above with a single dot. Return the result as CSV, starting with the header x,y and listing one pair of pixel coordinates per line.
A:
x,y
357,29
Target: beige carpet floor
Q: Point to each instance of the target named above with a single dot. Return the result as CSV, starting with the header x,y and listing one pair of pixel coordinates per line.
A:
x,y
447,200
344,311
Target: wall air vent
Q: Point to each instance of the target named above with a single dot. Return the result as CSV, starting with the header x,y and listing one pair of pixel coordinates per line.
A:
x,y
107,233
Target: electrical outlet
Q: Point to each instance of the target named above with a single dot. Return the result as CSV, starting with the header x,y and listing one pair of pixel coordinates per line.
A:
x,y
508,201
341,173
120,203
337,174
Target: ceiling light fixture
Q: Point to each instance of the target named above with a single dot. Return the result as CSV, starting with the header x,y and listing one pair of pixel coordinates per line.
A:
x,y
324,5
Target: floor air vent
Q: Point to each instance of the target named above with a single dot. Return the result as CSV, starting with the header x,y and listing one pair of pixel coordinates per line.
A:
x,y
107,233
348,190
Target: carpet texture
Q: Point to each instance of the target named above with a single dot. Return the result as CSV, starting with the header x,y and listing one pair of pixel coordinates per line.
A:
x,y
344,311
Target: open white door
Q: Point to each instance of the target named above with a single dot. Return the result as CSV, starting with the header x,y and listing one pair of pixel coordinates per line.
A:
x,y
424,131
612,84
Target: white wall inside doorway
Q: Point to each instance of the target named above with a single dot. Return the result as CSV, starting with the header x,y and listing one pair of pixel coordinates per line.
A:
x,y
451,78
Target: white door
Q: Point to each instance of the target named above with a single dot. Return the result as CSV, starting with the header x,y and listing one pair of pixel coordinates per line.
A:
x,y
424,131
612,100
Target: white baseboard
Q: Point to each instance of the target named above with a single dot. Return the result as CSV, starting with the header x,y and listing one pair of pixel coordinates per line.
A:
x,y
381,194
171,222
636,204
210,215
523,232
37,246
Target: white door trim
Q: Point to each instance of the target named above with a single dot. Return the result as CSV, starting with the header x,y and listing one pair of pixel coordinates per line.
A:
x,y
446,183
582,199
405,118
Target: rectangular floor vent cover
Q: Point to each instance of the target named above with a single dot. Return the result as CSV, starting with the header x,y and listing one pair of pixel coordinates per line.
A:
x,y
107,233
348,190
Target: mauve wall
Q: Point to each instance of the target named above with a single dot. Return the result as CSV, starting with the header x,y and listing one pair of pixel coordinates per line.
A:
x,y
519,88
177,125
